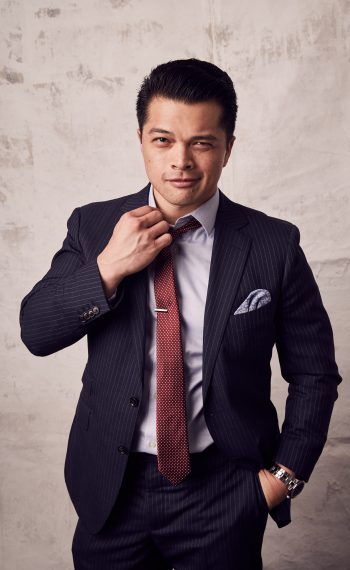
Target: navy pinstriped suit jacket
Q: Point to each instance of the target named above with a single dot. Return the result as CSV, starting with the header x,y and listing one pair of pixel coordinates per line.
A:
x,y
251,251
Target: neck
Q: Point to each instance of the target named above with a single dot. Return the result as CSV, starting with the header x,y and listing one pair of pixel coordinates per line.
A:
x,y
171,212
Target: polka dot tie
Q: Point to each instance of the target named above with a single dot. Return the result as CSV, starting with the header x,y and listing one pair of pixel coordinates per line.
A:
x,y
172,437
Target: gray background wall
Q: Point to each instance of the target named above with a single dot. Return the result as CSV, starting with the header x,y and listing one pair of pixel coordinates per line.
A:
x,y
69,74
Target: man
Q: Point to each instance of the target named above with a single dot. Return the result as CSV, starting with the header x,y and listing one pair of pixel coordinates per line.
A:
x,y
175,457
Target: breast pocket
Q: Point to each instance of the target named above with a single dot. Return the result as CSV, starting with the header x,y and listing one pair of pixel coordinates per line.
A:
x,y
250,336
256,319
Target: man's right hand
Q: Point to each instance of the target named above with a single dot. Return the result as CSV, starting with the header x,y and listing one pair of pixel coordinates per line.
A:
x,y
137,239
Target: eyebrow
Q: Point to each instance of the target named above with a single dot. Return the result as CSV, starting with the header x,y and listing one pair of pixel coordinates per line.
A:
x,y
163,131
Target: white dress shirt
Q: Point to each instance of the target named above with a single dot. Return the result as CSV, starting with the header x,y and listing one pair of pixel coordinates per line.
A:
x,y
191,257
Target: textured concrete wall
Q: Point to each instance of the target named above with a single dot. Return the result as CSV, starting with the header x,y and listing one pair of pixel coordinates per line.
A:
x,y
69,72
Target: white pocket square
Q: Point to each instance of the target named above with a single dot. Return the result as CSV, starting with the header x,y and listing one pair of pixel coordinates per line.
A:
x,y
255,300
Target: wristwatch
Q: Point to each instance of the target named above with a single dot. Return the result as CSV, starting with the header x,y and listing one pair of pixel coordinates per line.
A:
x,y
294,485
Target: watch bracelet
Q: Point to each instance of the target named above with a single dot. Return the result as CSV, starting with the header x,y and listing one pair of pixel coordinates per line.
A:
x,y
286,478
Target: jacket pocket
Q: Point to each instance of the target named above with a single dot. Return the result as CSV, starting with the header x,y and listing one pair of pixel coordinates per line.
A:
x,y
253,319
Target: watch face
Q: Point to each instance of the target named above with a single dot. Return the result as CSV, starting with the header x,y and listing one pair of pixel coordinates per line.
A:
x,y
297,489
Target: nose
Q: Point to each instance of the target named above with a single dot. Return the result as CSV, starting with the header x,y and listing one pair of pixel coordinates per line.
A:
x,y
181,158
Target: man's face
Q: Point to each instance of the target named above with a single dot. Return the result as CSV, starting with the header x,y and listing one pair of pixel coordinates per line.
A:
x,y
184,150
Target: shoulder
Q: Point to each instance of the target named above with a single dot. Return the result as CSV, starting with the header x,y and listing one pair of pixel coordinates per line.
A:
x,y
98,208
264,227
95,221
101,212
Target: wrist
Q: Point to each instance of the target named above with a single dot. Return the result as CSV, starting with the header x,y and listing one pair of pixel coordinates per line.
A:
x,y
287,477
275,485
292,473
275,492
110,279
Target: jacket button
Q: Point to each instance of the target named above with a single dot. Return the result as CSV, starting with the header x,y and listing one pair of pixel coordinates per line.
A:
x,y
134,401
91,313
95,310
123,450
86,316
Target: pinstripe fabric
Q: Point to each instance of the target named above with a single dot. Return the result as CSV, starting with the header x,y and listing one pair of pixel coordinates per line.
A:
x,y
250,251
214,519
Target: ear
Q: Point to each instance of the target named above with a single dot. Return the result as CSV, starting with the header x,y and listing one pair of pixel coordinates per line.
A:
x,y
228,150
139,135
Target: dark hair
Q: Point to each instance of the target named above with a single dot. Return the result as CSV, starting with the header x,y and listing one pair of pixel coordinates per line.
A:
x,y
189,81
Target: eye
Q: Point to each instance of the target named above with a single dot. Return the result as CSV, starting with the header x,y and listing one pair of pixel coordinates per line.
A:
x,y
161,139
202,143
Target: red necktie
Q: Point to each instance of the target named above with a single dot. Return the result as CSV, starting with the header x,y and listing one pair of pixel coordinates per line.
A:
x,y
172,436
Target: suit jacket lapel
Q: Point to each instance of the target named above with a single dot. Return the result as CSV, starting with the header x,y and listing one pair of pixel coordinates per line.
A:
x,y
136,200
138,285
230,252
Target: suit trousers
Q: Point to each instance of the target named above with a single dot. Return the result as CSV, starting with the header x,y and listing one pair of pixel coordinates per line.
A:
x,y
215,518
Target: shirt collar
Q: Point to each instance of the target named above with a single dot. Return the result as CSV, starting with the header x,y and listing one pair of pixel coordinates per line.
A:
x,y
205,213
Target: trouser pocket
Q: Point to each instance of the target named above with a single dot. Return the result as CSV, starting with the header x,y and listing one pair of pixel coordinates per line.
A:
x,y
260,492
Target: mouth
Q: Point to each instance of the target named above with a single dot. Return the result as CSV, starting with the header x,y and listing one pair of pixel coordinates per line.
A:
x,y
183,182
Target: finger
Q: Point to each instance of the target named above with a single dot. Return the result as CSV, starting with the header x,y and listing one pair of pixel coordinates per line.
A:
x,y
141,211
158,229
163,241
151,218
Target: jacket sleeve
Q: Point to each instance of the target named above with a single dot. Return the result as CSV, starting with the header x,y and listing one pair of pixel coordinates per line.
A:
x,y
60,308
305,349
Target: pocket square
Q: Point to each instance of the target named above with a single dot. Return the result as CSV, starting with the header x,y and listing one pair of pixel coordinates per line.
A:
x,y
255,300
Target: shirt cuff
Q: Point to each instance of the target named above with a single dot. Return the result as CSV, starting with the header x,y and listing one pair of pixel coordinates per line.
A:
x,y
112,297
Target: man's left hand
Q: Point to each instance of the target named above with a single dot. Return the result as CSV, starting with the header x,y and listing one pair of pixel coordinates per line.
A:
x,y
274,490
